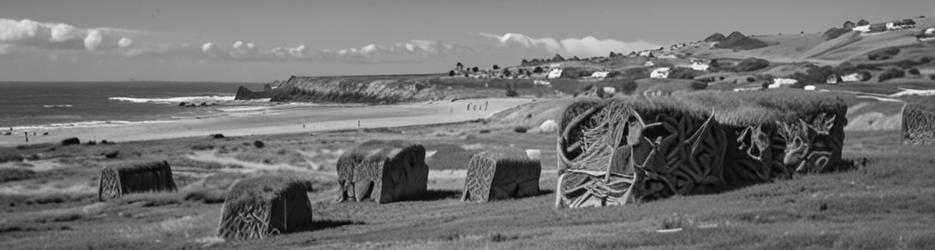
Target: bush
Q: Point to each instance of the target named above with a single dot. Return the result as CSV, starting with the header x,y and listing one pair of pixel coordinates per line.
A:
x,y
914,71
684,73
699,85
835,33
891,74
738,41
814,75
520,130
71,141
751,64
216,136
868,67
625,86
882,54
259,144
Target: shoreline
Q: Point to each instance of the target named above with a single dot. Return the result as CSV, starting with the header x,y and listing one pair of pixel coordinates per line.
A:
x,y
289,118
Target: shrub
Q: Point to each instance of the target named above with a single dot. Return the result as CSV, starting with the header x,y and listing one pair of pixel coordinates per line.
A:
x,y
699,85
684,73
71,141
259,144
913,71
510,91
891,74
835,33
451,73
751,64
738,41
520,130
216,136
863,22
882,54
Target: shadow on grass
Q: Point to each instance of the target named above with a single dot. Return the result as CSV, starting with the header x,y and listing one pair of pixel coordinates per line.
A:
x,y
329,224
434,195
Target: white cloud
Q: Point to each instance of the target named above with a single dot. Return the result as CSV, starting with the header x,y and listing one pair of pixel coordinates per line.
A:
x,y
39,35
93,40
125,42
588,46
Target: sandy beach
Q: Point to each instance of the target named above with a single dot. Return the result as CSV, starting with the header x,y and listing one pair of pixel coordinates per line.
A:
x,y
281,119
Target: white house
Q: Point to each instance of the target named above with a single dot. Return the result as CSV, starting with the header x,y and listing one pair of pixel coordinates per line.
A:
x,y
809,87
853,77
774,86
785,81
610,90
660,73
700,66
862,28
555,73
600,74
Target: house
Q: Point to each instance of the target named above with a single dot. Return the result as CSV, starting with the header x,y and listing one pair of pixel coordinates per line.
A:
x,y
555,73
610,90
660,73
774,86
700,66
900,25
600,74
785,81
873,28
646,53
862,29
927,35
833,79
853,77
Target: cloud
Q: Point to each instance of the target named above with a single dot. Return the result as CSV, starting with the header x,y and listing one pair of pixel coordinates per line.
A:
x,y
588,46
31,34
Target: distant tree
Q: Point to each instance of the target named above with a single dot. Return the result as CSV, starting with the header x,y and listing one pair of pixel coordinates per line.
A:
x,y
496,67
863,22
626,86
575,58
475,69
506,72
510,91
538,70
451,73
699,85
558,58
524,62
528,74
891,74
459,66
849,25
913,71
611,54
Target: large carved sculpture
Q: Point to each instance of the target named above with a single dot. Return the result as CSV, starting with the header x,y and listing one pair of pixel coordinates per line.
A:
x,y
618,152
918,124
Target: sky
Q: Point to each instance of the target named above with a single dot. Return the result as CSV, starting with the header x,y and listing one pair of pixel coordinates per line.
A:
x,y
262,41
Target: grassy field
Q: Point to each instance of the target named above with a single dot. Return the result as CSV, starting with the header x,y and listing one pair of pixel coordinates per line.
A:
x,y
887,203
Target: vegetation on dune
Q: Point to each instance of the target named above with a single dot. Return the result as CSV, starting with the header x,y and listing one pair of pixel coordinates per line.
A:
x,y
750,64
891,74
882,54
738,41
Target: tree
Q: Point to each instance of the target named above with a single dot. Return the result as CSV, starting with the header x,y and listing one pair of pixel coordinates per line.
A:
x,y
496,67
451,73
524,62
558,58
538,70
475,69
863,22
611,54
848,25
506,72
459,66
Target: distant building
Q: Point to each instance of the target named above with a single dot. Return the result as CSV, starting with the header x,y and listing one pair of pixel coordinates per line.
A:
x,y
833,79
853,77
610,90
785,81
555,73
901,25
600,74
927,35
700,66
660,73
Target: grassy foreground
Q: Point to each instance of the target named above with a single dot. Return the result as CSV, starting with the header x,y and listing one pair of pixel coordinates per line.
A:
x,y
889,203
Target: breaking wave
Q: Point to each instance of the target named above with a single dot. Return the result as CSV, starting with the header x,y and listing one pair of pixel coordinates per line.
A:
x,y
174,100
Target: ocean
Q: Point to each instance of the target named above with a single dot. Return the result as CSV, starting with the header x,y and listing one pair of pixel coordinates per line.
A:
x,y
40,105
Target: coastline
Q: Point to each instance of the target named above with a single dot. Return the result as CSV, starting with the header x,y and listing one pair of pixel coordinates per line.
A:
x,y
279,119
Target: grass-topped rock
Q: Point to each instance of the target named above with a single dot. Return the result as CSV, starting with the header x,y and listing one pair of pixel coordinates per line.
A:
x,y
258,207
501,174
382,171
135,177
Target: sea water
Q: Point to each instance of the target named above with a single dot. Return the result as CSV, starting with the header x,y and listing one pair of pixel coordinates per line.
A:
x,y
43,105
